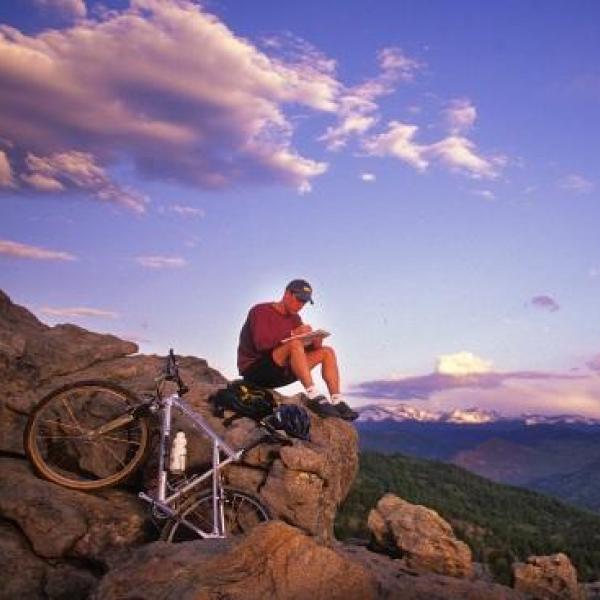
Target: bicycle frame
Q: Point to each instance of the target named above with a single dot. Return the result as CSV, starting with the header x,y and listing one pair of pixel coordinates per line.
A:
x,y
165,502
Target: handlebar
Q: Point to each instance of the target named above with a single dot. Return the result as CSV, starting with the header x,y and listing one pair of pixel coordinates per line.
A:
x,y
172,373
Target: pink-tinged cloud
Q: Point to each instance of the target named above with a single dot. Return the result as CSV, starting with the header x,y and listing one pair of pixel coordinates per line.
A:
x,y
425,386
70,8
187,211
460,154
545,303
510,394
460,115
6,175
357,107
18,250
594,363
161,262
455,152
78,312
398,141
77,170
164,84
577,183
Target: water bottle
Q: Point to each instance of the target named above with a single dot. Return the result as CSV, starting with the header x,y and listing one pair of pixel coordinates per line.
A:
x,y
178,453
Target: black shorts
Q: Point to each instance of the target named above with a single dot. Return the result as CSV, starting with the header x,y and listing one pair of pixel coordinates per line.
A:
x,y
265,372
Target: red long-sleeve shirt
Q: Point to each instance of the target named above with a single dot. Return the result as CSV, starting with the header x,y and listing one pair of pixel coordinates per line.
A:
x,y
263,330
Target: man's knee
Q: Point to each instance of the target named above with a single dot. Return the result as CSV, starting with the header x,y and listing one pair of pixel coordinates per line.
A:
x,y
328,353
282,353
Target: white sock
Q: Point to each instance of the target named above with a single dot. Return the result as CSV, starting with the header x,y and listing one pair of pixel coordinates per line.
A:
x,y
335,398
312,392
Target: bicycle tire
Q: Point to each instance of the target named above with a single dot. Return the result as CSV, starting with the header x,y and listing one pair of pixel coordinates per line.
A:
x,y
62,447
242,512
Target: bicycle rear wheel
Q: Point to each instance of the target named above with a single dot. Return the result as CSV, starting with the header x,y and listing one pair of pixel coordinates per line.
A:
x,y
84,437
242,513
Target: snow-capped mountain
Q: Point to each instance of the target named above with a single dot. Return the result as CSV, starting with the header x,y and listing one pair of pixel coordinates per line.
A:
x,y
399,412
405,412
559,419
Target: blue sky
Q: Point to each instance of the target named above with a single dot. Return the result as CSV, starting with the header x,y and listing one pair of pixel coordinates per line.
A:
x,y
431,168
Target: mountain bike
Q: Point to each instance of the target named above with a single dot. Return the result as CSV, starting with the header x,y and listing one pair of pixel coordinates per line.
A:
x,y
90,435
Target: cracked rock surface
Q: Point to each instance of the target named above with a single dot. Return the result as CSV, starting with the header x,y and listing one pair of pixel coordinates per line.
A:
x,y
274,560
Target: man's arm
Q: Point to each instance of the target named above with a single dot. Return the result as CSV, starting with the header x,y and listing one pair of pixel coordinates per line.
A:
x,y
264,337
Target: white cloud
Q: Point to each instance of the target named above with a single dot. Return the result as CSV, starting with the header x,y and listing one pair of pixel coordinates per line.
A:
x,y
485,194
77,170
18,250
462,363
460,115
73,8
187,211
78,312
167,86
460,154
6,174
517,396
367,177
398,142
455,152
357,107
577,183
161,262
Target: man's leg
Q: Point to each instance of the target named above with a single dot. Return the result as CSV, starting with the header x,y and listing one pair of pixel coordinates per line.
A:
x,y
293,354
325,356
301,361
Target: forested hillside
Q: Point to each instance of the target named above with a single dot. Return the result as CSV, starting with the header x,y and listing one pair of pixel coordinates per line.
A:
x,y
501,523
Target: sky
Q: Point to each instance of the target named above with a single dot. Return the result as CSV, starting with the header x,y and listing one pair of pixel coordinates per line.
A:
x,y
430,167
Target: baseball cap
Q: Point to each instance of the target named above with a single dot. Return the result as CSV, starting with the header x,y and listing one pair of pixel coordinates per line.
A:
x,y
301,289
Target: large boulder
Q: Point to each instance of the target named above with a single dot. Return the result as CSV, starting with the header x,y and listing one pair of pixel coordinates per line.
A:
x,y
420,536
395,580
56,543
548,578
60,523
273,561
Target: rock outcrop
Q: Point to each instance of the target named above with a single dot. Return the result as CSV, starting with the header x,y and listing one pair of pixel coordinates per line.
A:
x,y
54,531
420,536
56,542
273,561
395,580
548,578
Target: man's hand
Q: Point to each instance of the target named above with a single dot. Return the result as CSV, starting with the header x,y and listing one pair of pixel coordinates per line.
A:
x,y
302,329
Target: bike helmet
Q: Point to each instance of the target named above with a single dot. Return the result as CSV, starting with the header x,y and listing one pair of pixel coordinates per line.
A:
x,y
293,419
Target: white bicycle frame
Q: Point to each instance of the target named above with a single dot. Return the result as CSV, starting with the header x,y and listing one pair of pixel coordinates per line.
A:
x,y
165,502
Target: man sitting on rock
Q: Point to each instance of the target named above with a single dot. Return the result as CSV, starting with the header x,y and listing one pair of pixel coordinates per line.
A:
x,y
264,359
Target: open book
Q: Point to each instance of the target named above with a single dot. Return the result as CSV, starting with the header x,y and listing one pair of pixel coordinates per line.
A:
x,y
308,338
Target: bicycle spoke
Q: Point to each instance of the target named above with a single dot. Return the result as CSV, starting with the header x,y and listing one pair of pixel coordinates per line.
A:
x,y
111,451
63,424
71,414
61,437
120,440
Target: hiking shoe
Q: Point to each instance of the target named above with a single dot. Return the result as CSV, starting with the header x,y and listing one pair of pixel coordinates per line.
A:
x,y
322,407
345,412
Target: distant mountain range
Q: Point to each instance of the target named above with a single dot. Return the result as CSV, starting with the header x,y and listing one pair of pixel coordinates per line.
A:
x,y
406,412
558,455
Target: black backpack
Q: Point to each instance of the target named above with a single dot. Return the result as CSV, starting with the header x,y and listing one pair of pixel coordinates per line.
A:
x,y
244,400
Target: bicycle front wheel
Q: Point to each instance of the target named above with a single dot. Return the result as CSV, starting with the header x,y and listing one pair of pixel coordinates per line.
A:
x,y
84,437
242,512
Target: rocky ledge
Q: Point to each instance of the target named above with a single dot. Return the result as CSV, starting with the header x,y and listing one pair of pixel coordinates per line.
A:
x,y
58,543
